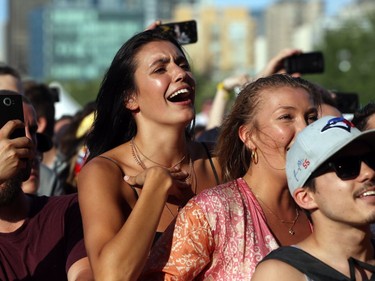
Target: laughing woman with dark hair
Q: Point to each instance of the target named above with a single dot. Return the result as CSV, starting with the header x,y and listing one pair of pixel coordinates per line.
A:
x,y
143,164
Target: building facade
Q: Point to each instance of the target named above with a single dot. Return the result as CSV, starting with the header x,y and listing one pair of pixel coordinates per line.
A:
x,y
225,38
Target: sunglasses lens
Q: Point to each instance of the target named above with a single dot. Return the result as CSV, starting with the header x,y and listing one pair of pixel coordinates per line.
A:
x,y
369,159
347,168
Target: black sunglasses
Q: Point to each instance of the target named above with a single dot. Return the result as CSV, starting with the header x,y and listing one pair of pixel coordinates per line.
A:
x,y
346,167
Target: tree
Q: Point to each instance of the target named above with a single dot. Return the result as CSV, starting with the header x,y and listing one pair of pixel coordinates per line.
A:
x,y
350,58
82,91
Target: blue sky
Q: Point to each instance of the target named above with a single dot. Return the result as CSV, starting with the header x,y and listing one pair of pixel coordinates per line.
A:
x,y
331,5
2,9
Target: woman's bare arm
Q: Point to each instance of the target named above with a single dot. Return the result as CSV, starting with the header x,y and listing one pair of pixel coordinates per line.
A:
x,y
117,238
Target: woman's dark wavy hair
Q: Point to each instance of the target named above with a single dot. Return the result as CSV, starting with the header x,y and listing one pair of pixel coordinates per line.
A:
x,y
232,153
114,123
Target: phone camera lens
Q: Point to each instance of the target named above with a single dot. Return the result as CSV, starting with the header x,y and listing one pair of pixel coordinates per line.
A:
x,y
7,101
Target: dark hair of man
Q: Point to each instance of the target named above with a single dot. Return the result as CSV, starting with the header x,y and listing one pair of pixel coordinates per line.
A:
x,y
310,184
114,123
8,70
362,116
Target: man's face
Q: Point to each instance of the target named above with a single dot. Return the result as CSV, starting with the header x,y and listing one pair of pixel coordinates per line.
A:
x,y
31,126
351,198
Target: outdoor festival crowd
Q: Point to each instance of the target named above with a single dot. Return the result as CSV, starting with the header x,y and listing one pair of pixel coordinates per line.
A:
x,y
276,185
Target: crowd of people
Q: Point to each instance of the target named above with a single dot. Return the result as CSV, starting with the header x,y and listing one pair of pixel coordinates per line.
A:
x,y
279,185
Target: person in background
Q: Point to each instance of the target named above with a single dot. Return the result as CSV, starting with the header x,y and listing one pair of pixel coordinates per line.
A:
x,y
82,152
224,89
72,151
202,117
231,86
33,183
329,104
60,125
143,165
331,175
41,237
364,118
43,101
223,232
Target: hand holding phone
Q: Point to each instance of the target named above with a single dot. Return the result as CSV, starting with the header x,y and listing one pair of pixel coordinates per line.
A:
x,y
19,165
185,32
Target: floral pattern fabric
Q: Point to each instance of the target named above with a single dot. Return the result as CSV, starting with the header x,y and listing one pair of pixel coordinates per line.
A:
x,y
221,234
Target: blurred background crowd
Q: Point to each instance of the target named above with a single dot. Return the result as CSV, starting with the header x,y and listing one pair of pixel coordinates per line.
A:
x,y
70,43
67,45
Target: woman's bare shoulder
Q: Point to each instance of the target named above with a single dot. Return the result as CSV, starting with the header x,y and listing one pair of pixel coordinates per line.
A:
x,y
102,181
103,172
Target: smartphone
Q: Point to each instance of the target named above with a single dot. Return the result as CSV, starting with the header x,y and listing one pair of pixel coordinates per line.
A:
x,y
11,109
185,32
304,63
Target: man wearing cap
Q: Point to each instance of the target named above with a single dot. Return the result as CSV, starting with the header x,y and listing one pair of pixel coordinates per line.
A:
x,y
331,175
41,238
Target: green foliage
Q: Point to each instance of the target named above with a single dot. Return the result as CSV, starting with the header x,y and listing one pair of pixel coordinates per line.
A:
x,y
350,58
205,89
82,91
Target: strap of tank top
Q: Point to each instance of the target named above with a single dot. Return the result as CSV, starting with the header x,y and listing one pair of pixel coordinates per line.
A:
x,y
122,172
354,262
211,162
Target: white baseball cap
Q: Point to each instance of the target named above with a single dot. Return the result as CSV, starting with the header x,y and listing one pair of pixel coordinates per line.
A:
x,y
317,143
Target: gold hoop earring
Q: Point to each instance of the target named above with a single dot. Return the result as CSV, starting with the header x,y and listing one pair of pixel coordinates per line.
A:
x,y
254,155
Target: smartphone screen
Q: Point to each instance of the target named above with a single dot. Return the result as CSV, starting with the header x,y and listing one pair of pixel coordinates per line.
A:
x,y
11,109
185,32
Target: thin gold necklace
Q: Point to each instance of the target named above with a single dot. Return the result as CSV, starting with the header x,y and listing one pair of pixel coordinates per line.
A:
x,y
293,222
135,150
189,179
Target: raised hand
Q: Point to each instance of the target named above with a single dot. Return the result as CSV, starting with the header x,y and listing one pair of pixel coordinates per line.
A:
x,y
276,64
14,153
171,181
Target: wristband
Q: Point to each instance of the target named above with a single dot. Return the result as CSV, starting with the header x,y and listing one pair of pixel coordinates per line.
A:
x,y
220,87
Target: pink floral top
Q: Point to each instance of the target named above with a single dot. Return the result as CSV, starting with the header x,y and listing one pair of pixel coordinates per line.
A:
x,y
221,234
